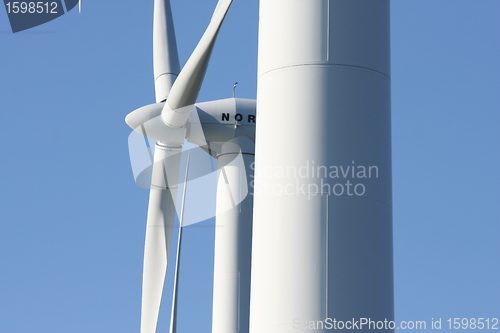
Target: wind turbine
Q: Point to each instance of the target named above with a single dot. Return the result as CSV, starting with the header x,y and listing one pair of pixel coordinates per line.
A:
x,y
226,130
322,239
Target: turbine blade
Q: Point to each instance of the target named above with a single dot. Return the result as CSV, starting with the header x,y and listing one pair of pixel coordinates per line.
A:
x,y
165,55
173,316
185,90
161,214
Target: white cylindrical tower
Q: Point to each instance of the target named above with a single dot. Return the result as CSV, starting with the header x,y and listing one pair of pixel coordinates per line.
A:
x,y
233,237
322,237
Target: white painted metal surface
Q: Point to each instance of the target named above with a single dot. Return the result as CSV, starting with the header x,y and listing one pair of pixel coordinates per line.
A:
x,y
229,126
165,56
322,237
233,237
187,86
165,173
161,214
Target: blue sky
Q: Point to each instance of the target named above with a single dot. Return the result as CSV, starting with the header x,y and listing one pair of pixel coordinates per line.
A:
x,y
73,221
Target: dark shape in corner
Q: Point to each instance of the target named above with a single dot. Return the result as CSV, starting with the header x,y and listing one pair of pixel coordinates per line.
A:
x,y
43,11
70,4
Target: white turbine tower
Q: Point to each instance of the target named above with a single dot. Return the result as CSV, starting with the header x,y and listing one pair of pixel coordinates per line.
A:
x,y
226,130
322,237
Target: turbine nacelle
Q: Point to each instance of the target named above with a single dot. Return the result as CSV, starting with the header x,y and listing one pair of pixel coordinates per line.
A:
x,y
213,121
